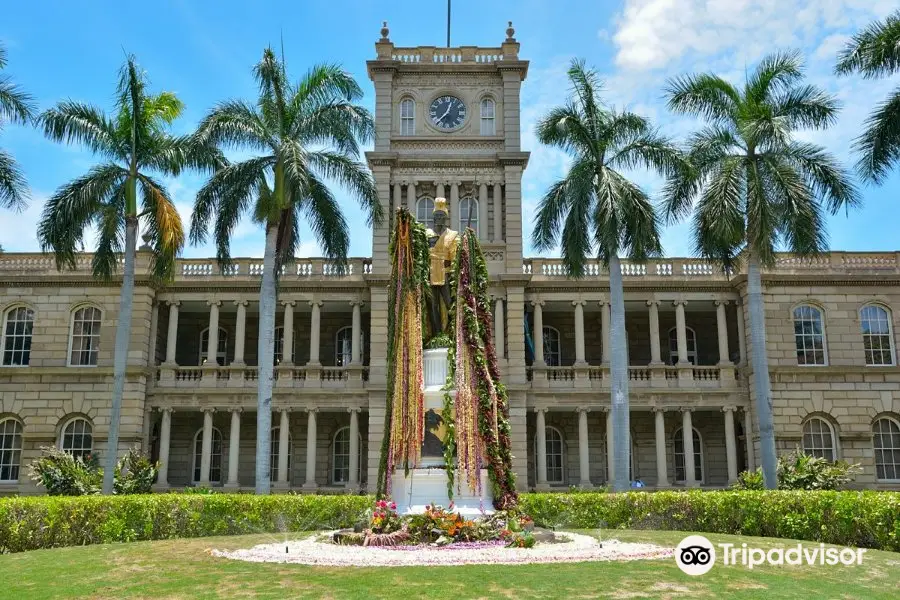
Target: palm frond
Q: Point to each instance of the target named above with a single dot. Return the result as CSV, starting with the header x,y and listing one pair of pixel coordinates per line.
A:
x,y
323,214
83,124
821,172
762,216
172,154
719,227
16,105
110,220
270,76
703,95
806,107
879,145
775,73
351,175
554,206
874,51
338,123
799,215
164,226
13,187
639,232
565,128
73,207
236,124
648,150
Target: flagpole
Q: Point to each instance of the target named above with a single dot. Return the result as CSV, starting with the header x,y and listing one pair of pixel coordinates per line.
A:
x,y
448,23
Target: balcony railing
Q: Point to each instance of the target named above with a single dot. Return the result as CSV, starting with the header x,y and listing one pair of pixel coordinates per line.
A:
x,y
232,377
662,376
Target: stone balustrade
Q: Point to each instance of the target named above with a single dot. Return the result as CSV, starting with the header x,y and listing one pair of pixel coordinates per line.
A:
x,y
657,376
242,377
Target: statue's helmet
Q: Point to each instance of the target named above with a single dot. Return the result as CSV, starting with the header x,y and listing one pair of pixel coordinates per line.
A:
x,y
440,206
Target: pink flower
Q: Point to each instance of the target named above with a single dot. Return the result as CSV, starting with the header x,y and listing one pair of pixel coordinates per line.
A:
x,y
427,507
393,506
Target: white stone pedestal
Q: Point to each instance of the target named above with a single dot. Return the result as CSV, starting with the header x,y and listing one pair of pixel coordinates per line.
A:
x,y
428,484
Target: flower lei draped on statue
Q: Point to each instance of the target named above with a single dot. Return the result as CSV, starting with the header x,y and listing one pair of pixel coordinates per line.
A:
x,y
405,410
481,428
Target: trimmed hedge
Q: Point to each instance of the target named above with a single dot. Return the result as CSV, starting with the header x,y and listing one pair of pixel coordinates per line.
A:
x,y
863,519
866,519
51,521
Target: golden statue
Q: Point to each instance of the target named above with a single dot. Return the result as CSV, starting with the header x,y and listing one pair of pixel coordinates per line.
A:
x,y
443,242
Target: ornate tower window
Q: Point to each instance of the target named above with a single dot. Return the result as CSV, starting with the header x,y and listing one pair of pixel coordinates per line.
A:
x,y
488,123
407,117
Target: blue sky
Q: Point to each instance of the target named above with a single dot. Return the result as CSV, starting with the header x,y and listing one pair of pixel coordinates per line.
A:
x,y
204,52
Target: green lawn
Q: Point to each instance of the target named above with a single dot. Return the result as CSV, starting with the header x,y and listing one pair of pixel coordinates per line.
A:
x,y
185,569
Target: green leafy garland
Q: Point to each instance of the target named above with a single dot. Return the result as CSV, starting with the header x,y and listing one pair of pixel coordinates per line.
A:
x,y
476,374
410,269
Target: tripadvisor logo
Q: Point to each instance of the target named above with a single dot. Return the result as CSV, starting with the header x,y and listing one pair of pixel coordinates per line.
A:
x,y
696,555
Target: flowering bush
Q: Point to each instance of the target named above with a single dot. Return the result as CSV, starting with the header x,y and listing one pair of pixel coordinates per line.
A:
x,y
517,539
385,518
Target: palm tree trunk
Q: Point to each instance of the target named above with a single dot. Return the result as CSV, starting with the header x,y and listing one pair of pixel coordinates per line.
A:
x,y
760,362
619,370
120,358
268,296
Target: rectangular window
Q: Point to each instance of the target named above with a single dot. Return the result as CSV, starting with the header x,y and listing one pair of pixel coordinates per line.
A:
x,y
407,117
85,337
488,126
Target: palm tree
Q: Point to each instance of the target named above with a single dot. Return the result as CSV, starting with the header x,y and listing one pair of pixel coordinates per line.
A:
x,y
755,187
134,142
596,208
304,134
875,52
17,107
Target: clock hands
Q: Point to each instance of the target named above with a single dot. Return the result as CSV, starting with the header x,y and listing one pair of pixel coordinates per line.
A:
x,y
449,106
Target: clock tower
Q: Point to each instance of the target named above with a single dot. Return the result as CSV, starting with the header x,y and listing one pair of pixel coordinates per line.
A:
x,y
447,126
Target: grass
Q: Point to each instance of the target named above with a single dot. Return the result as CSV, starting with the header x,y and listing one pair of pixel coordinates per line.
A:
x,y
185,569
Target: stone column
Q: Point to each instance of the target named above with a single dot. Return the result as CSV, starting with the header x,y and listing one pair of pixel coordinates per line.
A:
x,y
482,212
212,347
498,213
287,339
687,433
353,479
730,444
610,452
499,329
584,466
172,334
397,197
240,332
748,437
722,330
284,448
538,333
454,207
655,354
604,326
154,327
310,483
206,446
314,323
742,340
165,436
355,350
681,331
234,448
439,190
541,447
579,332
410,199
662,472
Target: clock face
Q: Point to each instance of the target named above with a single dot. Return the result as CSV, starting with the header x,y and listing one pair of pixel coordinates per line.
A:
x,y
447,112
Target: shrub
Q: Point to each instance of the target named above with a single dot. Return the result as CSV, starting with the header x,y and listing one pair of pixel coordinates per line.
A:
x,y
65,475
30,523
800,471
864,519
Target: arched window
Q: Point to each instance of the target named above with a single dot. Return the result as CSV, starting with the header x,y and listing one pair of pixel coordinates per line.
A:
x,y
468,214
215,456
84,337
343,346
425,211
552,355
678,445
340,457
878,335
818,439
274,451
407,117
488,126
809,336
887,449
555,455
77,437
221,346
691,346
278,341
10,449
15,345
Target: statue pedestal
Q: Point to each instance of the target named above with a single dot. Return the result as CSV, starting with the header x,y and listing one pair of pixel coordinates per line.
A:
x,y
428,484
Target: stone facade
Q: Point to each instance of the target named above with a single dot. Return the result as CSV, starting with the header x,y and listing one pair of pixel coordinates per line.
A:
x,y
831,341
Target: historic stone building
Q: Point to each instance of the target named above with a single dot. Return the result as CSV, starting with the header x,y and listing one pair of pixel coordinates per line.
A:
x,y
448,126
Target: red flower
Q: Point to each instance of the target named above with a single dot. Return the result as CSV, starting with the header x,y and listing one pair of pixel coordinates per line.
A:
x,y
393,506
